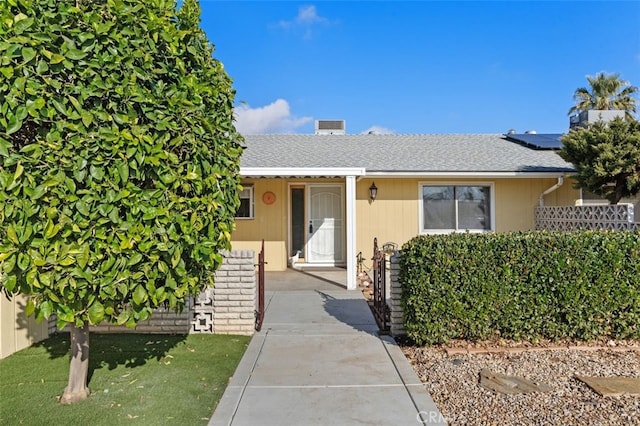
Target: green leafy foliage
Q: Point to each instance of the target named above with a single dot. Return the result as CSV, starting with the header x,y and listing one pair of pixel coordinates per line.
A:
x,y
606,91
606,157
578,285
120,160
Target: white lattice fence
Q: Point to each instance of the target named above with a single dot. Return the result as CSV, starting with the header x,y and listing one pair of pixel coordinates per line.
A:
x,y
570,218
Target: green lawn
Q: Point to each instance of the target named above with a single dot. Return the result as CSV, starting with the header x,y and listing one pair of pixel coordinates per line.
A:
x,y
134,378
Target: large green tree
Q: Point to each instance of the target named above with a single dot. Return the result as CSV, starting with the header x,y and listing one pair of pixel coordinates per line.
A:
x,y
606,91
606,157
120,161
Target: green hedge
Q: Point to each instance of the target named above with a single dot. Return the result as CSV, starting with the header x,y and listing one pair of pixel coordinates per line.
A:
x,y
578,285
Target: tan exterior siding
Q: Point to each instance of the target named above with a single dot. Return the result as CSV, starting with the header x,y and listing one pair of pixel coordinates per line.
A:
x,y
517,198
394,215
269,223
17,330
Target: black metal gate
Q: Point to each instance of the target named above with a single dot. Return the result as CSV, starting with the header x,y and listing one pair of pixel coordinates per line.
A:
x,y
260,310
379,303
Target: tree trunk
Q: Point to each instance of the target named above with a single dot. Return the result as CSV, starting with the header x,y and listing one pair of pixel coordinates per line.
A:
x,y
617,196
77,389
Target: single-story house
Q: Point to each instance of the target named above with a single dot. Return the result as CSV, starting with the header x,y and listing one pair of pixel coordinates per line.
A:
x,y
311,196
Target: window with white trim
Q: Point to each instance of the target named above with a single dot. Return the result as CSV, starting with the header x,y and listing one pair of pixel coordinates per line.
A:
x,y
245,211
450,208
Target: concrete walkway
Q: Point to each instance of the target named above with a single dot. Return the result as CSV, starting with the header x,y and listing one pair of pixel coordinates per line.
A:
x,y
319,361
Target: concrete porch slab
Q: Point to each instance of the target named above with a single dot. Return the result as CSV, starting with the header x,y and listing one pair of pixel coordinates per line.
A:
x,y
318,307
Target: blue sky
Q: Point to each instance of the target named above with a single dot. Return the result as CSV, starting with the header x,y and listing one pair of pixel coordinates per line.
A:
x,y
418,66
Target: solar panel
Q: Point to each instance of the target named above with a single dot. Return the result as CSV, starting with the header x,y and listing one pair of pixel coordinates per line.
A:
x,y
537,140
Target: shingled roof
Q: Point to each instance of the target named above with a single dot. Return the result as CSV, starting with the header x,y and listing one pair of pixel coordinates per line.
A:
x,y
397,154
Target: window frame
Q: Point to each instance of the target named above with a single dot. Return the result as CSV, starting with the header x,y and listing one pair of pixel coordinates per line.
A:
x,y
252,203
492,207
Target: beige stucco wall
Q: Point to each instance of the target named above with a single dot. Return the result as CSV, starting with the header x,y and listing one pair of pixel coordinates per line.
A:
x,y
17,330
393,216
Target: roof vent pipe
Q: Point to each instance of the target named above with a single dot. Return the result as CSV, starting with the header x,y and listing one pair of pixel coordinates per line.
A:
x,y
550,190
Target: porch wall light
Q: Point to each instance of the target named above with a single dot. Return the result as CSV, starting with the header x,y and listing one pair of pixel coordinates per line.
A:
x,y
373,191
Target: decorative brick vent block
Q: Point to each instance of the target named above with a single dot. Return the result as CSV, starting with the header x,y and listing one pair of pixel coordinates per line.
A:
x,y
203,322
203,313
229,307
569,218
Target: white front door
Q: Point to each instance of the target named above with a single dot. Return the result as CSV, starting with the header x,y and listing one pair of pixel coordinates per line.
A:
x,y
326,225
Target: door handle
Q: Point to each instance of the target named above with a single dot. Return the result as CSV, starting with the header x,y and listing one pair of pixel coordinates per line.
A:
x,y
310,227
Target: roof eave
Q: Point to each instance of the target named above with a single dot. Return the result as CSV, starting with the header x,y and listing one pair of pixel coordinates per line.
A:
x,y
301,171
362,172
468,174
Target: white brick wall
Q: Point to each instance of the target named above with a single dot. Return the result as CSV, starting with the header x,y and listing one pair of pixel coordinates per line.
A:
x,y
227,308
163,321
234,294
397,327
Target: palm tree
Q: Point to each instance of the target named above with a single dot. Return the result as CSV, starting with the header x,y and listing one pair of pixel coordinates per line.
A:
x,y
607,91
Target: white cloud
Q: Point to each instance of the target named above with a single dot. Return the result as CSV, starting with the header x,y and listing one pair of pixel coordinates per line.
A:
x,y
305,21
378,130
308,15
273,118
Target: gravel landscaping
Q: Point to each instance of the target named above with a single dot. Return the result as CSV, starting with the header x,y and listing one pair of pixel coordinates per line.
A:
x,y
453,381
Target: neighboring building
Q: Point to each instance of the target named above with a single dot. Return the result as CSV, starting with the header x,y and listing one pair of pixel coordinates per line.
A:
x,y
590,199
584,118
17,330
310,194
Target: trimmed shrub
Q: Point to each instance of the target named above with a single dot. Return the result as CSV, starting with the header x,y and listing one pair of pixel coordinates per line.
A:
x,y
529,285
